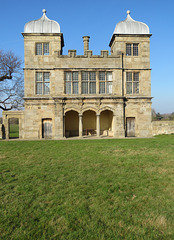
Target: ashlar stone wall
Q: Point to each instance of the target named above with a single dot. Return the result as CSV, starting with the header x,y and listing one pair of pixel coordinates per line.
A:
x,y
162,127
141,110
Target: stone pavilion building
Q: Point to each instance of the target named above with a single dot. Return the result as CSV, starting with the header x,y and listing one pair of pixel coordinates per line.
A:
x,y
83,95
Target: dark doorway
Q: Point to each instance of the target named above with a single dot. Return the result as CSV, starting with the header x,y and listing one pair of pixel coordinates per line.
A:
x,y
89,123
71,124
106,122
130,127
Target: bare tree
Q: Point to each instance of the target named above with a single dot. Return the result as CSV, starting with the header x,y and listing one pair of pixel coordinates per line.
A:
x,y
11,81
153,114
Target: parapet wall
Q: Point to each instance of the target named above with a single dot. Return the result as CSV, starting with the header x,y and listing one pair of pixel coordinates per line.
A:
x,y
87,54
162,127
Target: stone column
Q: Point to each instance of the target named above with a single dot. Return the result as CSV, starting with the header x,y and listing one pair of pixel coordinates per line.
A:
x,y
58,121
80,125
64,125
98,125
118,121
114,126
0,131
5,125
20,128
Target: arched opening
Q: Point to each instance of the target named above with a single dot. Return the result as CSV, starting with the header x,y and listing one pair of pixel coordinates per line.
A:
x,y
106,123
71,124
89,123
13,128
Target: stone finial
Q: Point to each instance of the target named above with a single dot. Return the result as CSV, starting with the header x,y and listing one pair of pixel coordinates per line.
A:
x,y
44,11
128,12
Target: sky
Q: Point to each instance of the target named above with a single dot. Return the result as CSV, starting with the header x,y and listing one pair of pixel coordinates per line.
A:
x,y
97,19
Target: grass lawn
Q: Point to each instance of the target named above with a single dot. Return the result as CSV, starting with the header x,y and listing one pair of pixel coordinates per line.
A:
x,y
14,131
93,189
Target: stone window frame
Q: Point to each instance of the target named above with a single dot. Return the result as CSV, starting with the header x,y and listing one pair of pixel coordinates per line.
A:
x,y
43,81
88,82
43,50
71,82
132,82
132,49
105,84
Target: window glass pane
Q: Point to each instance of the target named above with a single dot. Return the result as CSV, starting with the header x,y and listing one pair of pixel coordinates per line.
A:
x,y
75,76
68,76
84,87
84,76
38,88
102,87
136,87
46,88
75,88
129,88
135,49
92,87
68,87
92,76
108,87
38,76
129,77
102,76
46,48
46,77
128,49
108,76
38,48
136,77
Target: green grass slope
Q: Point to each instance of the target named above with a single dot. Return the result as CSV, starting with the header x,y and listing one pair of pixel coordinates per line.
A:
x,y
98,189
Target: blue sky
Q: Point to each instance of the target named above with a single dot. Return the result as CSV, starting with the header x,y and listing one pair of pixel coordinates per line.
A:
x,y
98,19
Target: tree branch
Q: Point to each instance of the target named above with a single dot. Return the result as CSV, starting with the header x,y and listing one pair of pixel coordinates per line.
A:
x,y
11,81
5,108
2,78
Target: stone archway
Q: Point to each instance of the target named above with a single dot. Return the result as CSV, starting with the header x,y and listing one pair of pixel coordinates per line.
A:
x,y
6,116
71,123
89,122
106,123
13,126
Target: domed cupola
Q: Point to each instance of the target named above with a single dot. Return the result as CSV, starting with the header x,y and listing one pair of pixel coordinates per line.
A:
x,y
130,26
42,25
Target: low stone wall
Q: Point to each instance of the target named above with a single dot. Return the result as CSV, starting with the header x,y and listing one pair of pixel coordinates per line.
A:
x,y
162,127
0,131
